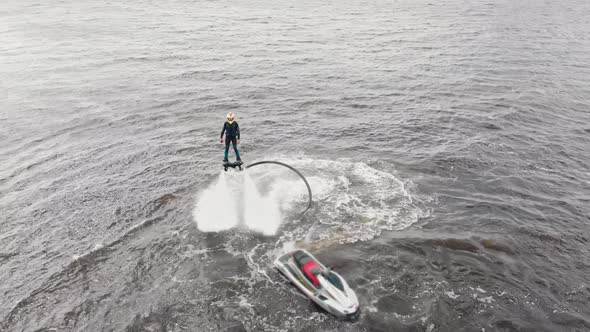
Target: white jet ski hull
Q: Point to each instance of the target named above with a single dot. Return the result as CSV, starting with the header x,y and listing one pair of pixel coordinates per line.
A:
x,y
332,292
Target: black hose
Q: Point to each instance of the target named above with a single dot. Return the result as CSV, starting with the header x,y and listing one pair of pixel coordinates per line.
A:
x,y
291,168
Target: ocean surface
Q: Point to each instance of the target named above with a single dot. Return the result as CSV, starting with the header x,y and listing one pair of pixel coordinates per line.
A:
x,y
447,145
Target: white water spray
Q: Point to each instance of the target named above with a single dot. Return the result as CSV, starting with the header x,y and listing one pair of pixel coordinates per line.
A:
x,y
213,213
261,214
221,207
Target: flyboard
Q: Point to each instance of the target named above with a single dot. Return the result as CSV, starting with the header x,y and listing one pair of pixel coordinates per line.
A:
x,y
232,164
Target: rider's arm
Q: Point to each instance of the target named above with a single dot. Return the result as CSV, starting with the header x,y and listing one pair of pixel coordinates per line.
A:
x,y
222,131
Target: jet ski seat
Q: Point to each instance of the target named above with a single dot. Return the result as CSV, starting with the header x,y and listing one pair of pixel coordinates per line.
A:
x,y
309,267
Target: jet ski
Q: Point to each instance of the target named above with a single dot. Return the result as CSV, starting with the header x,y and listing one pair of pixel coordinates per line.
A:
x,y
322,285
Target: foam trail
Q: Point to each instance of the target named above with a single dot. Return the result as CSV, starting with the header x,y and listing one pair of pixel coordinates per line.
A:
x,y
211,212
261,214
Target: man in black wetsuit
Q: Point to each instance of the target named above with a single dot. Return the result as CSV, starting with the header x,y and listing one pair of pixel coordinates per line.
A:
x,y
232,134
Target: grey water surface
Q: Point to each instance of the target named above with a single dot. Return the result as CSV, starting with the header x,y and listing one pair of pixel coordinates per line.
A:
x,y
447,144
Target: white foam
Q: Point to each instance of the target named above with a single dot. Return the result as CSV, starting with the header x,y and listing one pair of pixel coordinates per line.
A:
x,y
356,201
487,300
452,295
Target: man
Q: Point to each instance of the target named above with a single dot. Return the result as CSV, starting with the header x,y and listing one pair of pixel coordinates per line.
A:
x,y
232,132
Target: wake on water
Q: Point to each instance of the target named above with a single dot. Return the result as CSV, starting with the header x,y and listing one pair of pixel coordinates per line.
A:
x,y
356,202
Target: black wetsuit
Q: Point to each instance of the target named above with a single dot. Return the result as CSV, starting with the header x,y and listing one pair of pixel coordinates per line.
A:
x,y
232,132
